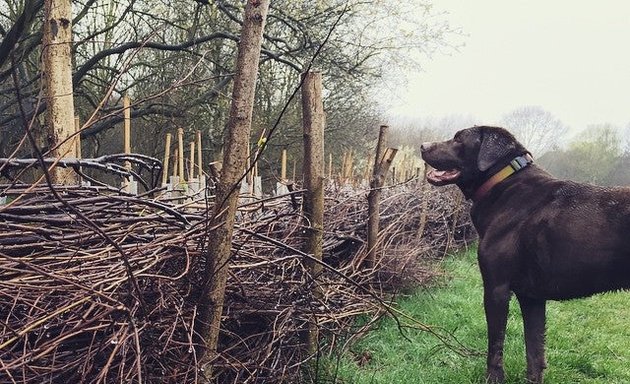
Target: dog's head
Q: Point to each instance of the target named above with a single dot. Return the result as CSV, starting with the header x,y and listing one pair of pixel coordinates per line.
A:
x,y
469,158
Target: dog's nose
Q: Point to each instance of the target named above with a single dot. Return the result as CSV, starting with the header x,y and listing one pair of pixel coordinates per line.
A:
x,y
425,146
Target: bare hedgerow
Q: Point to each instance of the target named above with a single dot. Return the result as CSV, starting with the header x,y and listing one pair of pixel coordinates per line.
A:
x,y
118,304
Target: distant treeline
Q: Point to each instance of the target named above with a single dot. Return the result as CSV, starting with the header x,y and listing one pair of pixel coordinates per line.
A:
x,y
599,156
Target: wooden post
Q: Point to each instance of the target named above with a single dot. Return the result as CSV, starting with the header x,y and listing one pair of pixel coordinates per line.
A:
x,y
77,137
293,174
368,162
347,165
313,171
342,173
180,154
57,57
77,143
248,164
382,162
330,170
175,164
127,129
199,156
283,166
218,248
351,176
425,202
167,158
191,168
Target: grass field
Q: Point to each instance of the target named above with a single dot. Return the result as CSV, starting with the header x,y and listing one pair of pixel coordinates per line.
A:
x,y
588,340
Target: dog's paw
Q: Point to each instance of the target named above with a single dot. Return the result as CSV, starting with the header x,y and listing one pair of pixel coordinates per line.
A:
x,y
495,376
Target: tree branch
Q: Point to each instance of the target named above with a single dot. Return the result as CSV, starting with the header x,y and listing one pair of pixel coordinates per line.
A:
x,y
31,8
87,66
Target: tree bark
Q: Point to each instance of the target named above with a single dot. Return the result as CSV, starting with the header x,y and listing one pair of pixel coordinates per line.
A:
x,y
57,56
235,152
313,170
374,196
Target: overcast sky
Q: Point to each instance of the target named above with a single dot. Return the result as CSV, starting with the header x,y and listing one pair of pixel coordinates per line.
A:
x,y
572,58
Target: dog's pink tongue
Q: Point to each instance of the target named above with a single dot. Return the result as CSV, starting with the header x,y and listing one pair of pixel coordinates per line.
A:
x,y
439,177
439,174
451,173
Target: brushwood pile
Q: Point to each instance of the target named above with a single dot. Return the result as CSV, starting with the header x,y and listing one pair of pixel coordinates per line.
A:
x,y
99,286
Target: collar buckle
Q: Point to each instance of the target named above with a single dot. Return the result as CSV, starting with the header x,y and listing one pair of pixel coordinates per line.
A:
x,y
521,162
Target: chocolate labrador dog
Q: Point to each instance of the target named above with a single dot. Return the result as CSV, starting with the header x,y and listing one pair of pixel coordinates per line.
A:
x,y
539,237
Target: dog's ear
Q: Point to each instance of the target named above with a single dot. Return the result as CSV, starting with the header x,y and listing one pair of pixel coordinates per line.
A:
x,y
495,144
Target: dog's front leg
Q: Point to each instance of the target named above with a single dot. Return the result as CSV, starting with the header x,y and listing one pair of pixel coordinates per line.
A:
x,y
496,300
534,325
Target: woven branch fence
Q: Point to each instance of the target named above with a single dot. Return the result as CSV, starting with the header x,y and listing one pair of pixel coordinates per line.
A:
x,y
98,286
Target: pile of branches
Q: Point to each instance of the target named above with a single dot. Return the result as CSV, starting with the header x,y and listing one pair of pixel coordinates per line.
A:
x,y
100,287
90,287
271,300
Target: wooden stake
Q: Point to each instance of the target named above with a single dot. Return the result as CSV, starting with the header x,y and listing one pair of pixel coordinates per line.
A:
x,y
191,168
77,142
127,128
330,170
382,162
249,174
293,174
180,154
368,161
77,137
199,156
349,165
425,202
167,158
283,167
175,163
313,168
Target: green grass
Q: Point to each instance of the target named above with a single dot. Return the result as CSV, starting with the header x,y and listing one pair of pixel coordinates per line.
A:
x,y
588,340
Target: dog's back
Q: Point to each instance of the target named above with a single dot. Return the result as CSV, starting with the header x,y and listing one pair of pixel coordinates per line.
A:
x,y
572,239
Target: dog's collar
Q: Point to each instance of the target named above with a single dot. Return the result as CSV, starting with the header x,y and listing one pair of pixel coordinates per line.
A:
x,y
518,163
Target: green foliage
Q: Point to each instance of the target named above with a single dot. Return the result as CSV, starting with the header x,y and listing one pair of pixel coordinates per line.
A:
x,y
586,339
596,156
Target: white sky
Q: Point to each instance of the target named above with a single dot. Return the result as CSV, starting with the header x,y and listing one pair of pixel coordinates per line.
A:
x,y
572,58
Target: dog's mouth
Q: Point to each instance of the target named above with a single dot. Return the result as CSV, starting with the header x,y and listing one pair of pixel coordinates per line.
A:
x,y
439,177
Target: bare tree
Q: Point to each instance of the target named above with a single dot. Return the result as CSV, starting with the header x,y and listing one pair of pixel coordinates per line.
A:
x,y
176,63
58,85
538,130
237,133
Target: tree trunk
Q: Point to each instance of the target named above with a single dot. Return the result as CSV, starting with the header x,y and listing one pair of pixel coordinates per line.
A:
x,y
57,44
235,152
313,170
374,197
